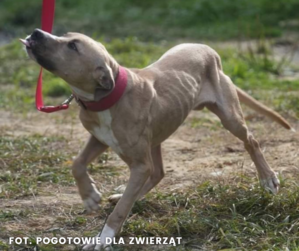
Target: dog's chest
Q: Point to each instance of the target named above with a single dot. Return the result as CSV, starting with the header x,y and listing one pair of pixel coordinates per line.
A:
x,y
103,132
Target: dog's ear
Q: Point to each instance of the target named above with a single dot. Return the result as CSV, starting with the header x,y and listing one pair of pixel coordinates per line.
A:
x,y
105,82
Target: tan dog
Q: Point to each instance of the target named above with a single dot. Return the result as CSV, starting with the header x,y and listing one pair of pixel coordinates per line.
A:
x,y
156,101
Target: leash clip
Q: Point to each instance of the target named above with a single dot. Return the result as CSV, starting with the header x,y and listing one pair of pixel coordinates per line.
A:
x,y
68,100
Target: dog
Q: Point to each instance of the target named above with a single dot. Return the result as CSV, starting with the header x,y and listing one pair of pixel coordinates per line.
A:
x,y
134,110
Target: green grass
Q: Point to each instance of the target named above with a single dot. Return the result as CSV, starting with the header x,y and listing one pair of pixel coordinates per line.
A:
x,y
236,216
215,215
29,161
156,20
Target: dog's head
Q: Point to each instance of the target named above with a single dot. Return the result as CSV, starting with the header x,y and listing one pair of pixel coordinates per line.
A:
x,y
79,60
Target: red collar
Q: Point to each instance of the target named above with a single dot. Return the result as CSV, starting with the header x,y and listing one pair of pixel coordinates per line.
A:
x,y
110,100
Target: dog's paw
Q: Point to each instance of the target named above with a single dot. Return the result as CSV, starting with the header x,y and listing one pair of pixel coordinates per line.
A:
x,y
105,240
91,201
271,184
114,198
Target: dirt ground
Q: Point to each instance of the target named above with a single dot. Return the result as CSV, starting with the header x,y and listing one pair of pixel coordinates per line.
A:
x,y
192,154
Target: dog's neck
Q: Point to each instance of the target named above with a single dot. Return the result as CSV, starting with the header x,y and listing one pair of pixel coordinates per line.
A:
x,y
113,65
89,96
112,98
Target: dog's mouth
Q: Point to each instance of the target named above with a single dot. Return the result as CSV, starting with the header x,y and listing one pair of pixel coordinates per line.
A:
x,y
29,46
26,42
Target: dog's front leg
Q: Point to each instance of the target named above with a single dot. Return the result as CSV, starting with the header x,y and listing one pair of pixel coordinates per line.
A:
x,y
140,172
87,189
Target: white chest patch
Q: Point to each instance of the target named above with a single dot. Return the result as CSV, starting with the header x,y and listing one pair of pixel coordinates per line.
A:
x,y
103,131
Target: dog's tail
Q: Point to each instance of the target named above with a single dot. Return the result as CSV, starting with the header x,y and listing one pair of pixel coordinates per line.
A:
x,y
260,108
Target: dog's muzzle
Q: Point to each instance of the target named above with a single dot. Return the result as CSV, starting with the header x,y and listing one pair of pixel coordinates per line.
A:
x,y
37,35
30,41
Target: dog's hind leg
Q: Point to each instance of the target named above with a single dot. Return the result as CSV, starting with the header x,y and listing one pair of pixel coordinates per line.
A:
x,y
87,189
228,109
157,174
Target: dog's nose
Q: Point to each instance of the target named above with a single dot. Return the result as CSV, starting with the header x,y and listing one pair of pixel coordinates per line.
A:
x,y
37,34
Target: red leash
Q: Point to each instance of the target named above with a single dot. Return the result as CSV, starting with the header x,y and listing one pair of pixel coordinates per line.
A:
x,y
47,24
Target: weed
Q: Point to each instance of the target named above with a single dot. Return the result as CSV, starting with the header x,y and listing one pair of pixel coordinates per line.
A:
x,y
261,56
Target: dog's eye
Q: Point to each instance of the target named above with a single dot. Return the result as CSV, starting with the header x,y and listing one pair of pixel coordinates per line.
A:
x,y
72,46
